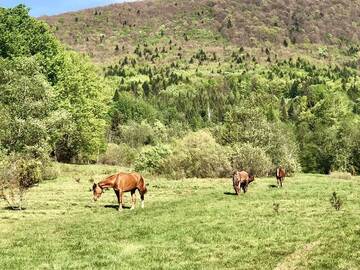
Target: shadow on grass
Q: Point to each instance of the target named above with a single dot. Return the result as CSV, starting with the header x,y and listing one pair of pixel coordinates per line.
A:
x,y
230,193
116,206
9,208
272,186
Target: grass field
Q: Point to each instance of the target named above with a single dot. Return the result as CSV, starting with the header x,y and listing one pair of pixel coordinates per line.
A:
x,y
186,224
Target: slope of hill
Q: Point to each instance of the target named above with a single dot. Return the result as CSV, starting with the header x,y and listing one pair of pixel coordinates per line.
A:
x,y
300,26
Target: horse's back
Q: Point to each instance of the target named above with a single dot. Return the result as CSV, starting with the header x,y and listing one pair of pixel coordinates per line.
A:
x,y
280,173
240,177
129,181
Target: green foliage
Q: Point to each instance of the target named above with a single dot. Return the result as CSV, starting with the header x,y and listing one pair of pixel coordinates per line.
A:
x,y
22,35
251,159
50,99
150,158
26,102
81,136
197,155
122,155
288,109
126,107
136,134
17,174
51,171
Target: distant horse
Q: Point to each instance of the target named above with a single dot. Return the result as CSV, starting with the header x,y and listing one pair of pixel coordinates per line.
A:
x,y
241,180
122,182
280,175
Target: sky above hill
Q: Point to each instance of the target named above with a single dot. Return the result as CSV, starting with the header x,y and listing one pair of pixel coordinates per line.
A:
x,y
48,7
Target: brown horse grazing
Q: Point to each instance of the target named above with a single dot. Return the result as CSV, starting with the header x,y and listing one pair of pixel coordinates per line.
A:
x,y
280,176
122,182
241,180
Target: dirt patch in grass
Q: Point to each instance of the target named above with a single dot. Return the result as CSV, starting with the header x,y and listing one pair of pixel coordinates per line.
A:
x,y
290,262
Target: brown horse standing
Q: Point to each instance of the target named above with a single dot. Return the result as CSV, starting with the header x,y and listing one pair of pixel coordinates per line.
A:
x,y
122,182
241,180
280,175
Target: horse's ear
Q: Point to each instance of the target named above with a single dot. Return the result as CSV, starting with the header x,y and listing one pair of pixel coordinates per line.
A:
x,y
94,185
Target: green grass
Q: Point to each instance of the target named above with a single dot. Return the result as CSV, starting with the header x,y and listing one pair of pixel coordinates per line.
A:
x,y
187,224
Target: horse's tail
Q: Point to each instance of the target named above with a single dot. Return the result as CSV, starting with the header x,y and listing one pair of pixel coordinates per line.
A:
x,y
142,181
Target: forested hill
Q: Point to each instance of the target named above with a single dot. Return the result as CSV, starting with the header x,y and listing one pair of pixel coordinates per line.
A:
x,y
187,88
289,27
274,82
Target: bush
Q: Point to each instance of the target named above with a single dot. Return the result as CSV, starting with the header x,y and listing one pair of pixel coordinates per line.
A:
x,y
341,175
52,171
249,126
251,159
17,174
127,107
136,134
151,158
197,155
121,154
283,149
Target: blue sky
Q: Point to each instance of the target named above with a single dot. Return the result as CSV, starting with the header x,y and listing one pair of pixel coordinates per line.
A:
x,y
51,7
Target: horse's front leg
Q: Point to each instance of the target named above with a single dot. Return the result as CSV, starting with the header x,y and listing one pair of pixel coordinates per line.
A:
x,y
133,199
237,189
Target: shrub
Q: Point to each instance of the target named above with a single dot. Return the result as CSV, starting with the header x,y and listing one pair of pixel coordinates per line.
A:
x,y
335,201
283,149
341,175
251,159
197,155
127,107
151,158
121,154
17,174
136,134
52,171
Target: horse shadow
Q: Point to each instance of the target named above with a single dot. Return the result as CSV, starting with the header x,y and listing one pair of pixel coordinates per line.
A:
x,y
9,208
272,186
230,193
116,206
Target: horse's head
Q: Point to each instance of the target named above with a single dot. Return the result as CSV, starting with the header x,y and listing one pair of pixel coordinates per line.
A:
x,y
97,191
251,178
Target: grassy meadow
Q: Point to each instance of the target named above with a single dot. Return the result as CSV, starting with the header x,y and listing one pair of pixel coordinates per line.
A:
x,y
186,224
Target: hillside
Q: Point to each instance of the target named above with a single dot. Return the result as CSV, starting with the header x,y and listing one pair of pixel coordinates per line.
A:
x,y
289,27
183,101
286,72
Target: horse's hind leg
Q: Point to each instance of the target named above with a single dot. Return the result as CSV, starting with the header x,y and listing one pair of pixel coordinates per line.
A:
x,y
142,195
117,196
133,199
121,199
